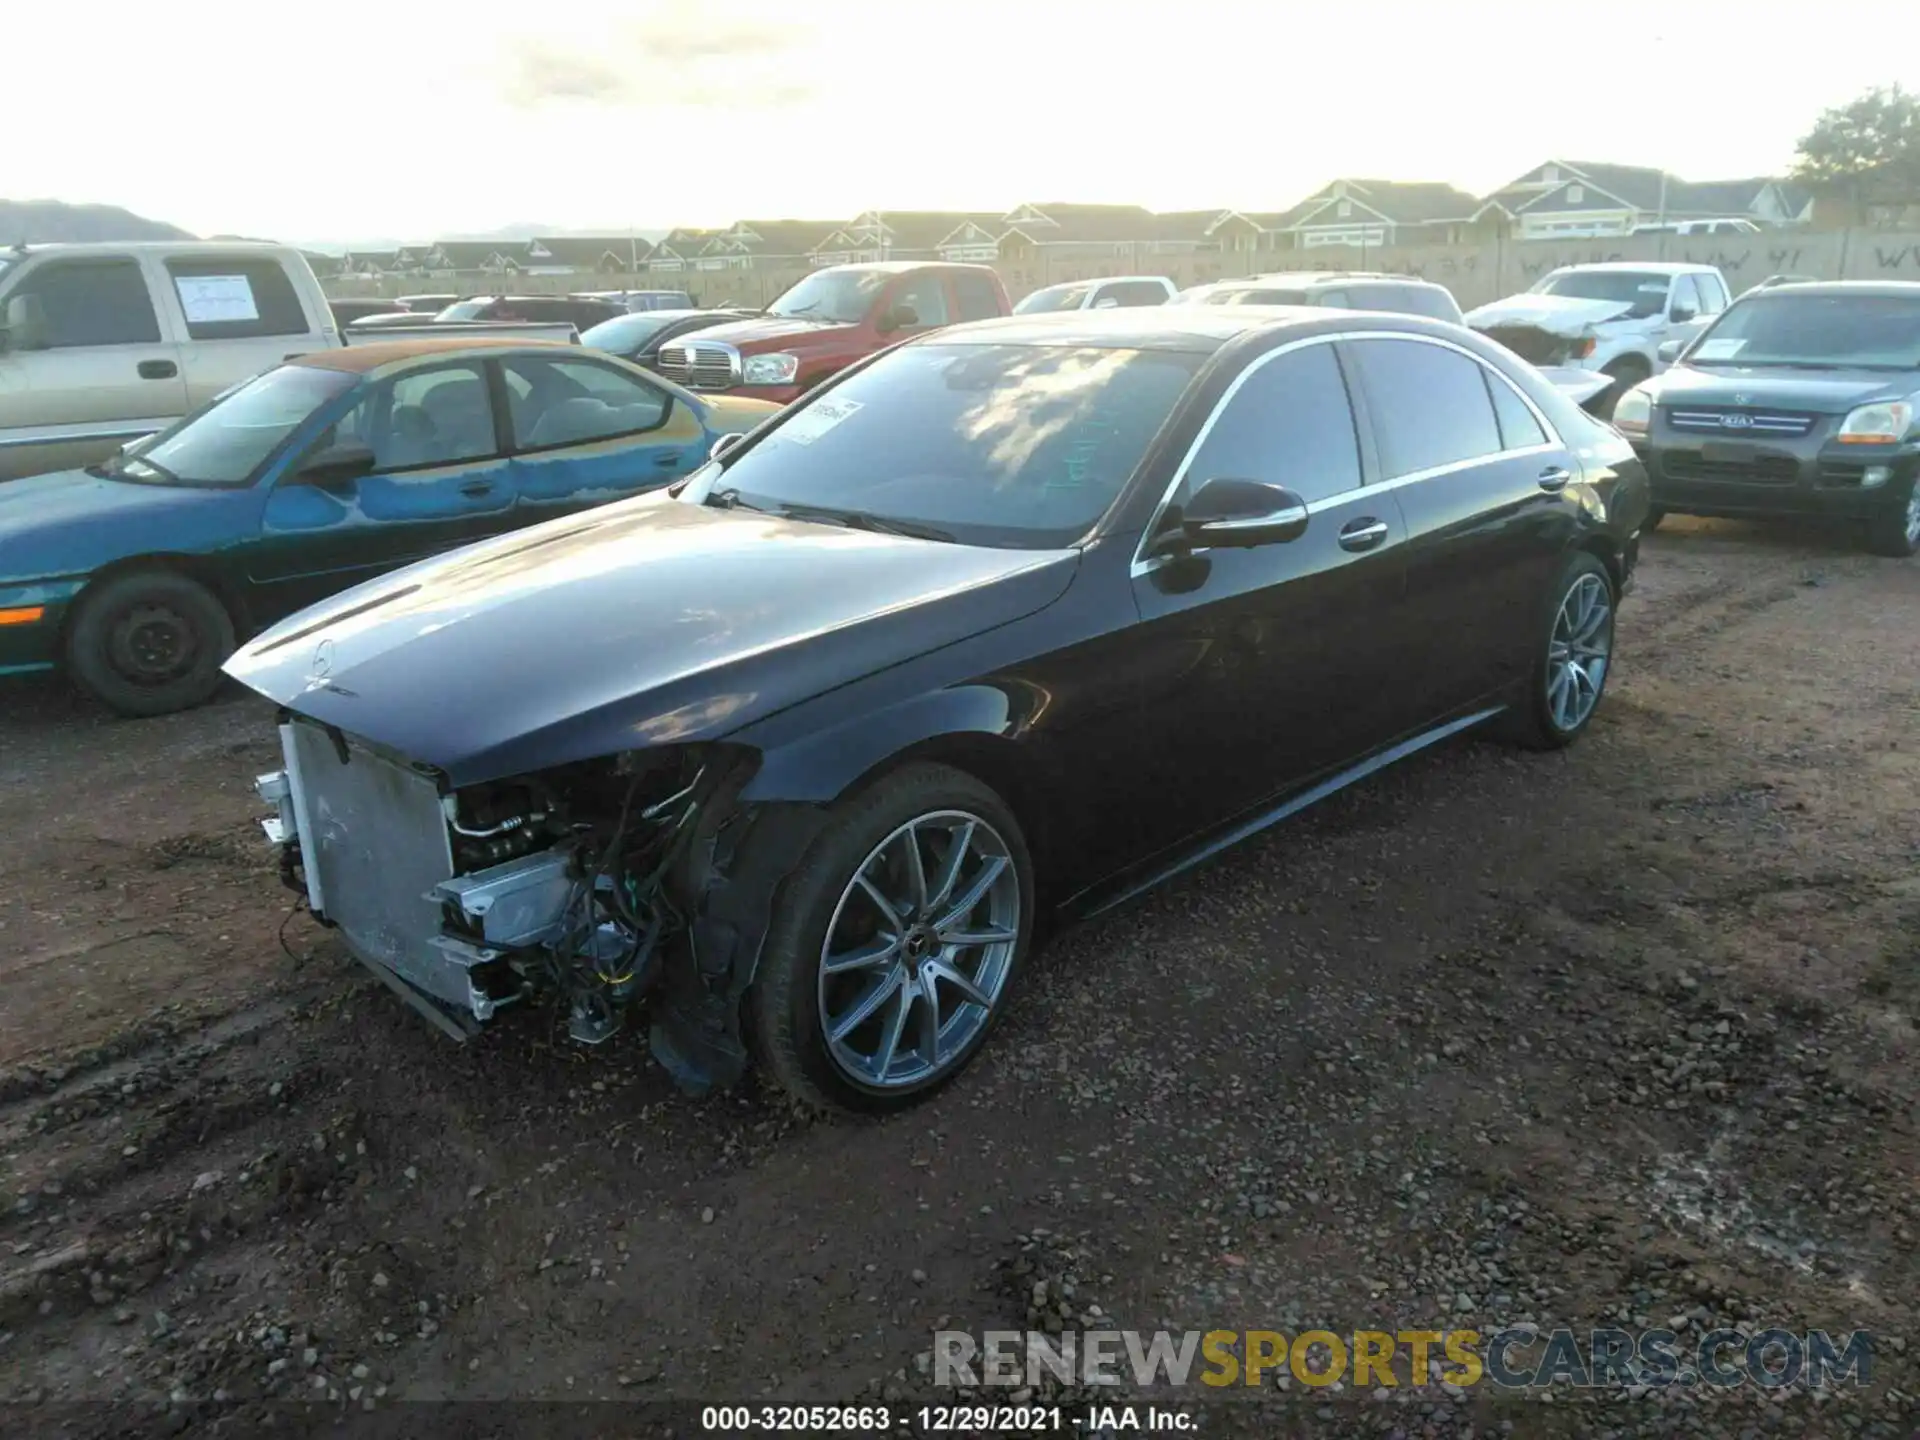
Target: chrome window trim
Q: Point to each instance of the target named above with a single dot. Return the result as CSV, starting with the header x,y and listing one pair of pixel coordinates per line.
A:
x,y
84,430
1292,515
1143,566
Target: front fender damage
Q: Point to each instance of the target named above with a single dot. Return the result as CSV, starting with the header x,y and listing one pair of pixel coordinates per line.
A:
x,y
731,882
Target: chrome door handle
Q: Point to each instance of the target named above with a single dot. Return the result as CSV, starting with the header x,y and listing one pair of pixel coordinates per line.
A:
x,y
1362,534
1555,478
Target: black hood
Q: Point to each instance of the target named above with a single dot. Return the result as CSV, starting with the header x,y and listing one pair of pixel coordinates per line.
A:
x,y
1820,392
647,622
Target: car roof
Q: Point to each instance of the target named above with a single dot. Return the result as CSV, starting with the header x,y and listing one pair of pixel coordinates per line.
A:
x,y
1875,289
147,247
1202,328
360,359
672,315
1329,277
1640,267
468,299
1103,280
896,267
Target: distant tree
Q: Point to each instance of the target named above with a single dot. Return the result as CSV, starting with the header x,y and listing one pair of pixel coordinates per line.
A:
x,y
1865,153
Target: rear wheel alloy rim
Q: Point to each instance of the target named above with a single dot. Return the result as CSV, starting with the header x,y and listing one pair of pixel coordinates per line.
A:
x,y
1577,653
919,950
152,644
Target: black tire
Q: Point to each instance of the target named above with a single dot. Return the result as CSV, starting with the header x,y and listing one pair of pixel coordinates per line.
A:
x,y
1531,722
1627,372
149,642
1893,532
1652,523
783,1009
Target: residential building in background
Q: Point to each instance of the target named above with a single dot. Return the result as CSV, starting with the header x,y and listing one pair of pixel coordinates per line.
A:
x,y
1379,212
1556,200
1564,199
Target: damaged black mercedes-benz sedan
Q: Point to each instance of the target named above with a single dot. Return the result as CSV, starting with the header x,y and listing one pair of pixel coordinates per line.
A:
x,y
1004,625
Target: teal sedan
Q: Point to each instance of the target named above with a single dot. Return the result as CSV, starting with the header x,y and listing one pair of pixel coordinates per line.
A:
x,y
138,577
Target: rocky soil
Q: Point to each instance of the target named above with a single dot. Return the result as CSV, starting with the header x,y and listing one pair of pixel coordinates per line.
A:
x,y
1624,1036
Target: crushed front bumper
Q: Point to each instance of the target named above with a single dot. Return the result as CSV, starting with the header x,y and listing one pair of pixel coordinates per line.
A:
x,y
365,838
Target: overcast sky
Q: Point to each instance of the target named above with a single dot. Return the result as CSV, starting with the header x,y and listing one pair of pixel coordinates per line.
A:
x,y
412,120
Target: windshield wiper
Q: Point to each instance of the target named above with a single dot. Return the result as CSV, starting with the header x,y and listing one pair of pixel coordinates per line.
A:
x,y
160,470
729,498
862,520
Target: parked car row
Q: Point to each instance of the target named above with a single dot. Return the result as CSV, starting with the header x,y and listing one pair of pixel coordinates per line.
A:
x,y
564,762
103,344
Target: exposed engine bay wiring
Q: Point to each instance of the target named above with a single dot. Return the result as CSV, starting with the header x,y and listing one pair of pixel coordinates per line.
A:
x,y
620,908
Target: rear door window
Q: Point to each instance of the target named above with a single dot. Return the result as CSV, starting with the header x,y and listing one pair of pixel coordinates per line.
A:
x,y
439,416
1686,300
1135,292
92,302
1290,423
925,296
1397,299
1430,405
975,296
236,297
576,402
1518,427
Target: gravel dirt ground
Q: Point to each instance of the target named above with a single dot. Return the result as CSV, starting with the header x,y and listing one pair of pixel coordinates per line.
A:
x,y
1623,1035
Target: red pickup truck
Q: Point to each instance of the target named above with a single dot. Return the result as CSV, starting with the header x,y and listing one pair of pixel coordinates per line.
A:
x,y
829,320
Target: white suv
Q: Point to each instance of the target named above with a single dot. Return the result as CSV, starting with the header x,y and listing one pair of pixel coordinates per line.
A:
x,y
1611,318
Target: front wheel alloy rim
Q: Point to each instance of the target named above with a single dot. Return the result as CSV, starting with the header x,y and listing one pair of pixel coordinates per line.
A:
x,y
1913,515
1577,653
919,950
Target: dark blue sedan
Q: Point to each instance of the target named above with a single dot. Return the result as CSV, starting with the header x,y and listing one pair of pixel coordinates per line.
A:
x,y
138,576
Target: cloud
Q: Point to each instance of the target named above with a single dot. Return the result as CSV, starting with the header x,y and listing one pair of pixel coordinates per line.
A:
x,y
680,55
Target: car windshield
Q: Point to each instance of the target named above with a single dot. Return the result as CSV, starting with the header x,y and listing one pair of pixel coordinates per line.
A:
x,y
840,296
226,443
625,334
1257,296
1017,446
1645,291
1839,332
464,310
1055,297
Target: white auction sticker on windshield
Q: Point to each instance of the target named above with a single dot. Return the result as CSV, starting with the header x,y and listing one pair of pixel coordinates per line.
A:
x,y
818,418
214,299
1718,349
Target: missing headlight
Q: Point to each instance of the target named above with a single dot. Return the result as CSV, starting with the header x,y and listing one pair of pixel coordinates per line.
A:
x,y
574,890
